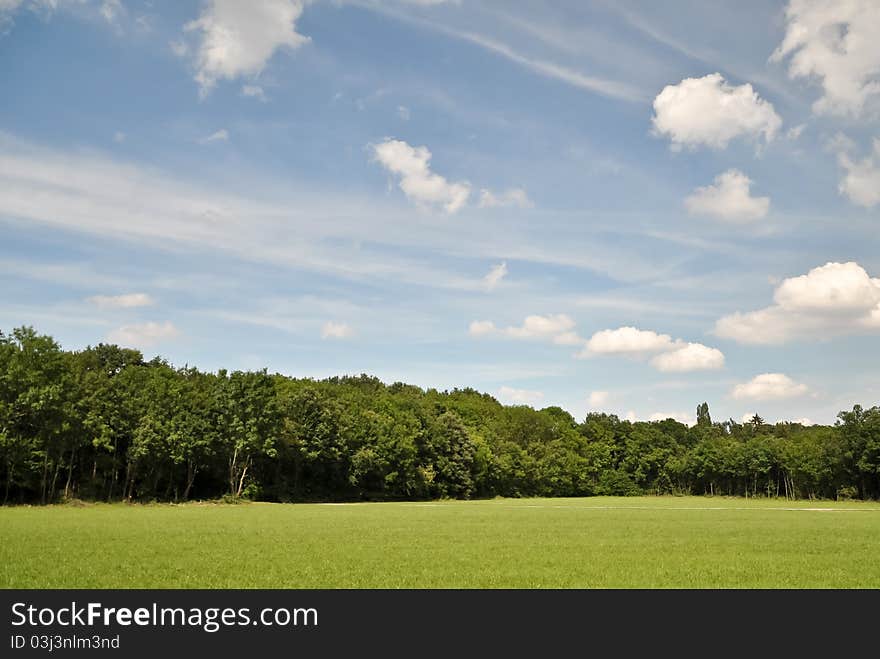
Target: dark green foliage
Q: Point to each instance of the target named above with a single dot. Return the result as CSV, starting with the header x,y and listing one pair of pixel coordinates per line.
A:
x,y
103,424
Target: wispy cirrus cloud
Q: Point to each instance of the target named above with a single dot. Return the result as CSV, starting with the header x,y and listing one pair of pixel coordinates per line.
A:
x,y
125,301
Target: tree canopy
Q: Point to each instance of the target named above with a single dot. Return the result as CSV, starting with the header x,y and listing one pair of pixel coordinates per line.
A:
x,y
104,424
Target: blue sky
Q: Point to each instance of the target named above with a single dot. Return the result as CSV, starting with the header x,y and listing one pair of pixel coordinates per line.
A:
x,y
623,206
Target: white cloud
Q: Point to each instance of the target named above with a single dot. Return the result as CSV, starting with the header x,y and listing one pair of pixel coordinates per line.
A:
x,y
92,193
332,330
568,339
253,91
495,275
119,137
689,357
144,335
417,181
520,396
728,199
597,399
238,38
558,328
710,112
669,356
403,112
769,386
795,132
144,23
682,417
481,328
542,327
221,135
836,298
765,326
836,43
108,9
9,7
127,301
512,197
838,287
111,9
617,89
861,183
628,341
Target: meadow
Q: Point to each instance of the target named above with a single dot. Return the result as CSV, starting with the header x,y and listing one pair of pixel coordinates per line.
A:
x,y
599,542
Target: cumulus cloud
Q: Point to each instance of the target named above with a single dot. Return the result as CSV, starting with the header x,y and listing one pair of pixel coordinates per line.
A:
x,y
861,182
628,341
769,386
835,43
144,335
520,396
558,328
729,198
597,399
689,357
238,38
221,135
495,275
421,185
675,356
542,327
710,112
839,287
127,301
833,299
332,330
516,197
482,328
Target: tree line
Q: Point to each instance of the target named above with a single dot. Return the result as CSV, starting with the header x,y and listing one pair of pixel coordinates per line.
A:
x,y
105,424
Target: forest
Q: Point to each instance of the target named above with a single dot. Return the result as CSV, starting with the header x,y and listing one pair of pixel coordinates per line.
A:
x,y
103,424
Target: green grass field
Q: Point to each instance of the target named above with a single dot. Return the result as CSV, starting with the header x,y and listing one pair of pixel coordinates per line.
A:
x,y
603,542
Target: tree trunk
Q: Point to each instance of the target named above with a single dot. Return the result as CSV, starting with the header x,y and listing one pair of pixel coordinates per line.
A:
x,y
232,475
44,478
191,472
54,481
241,480
69,474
